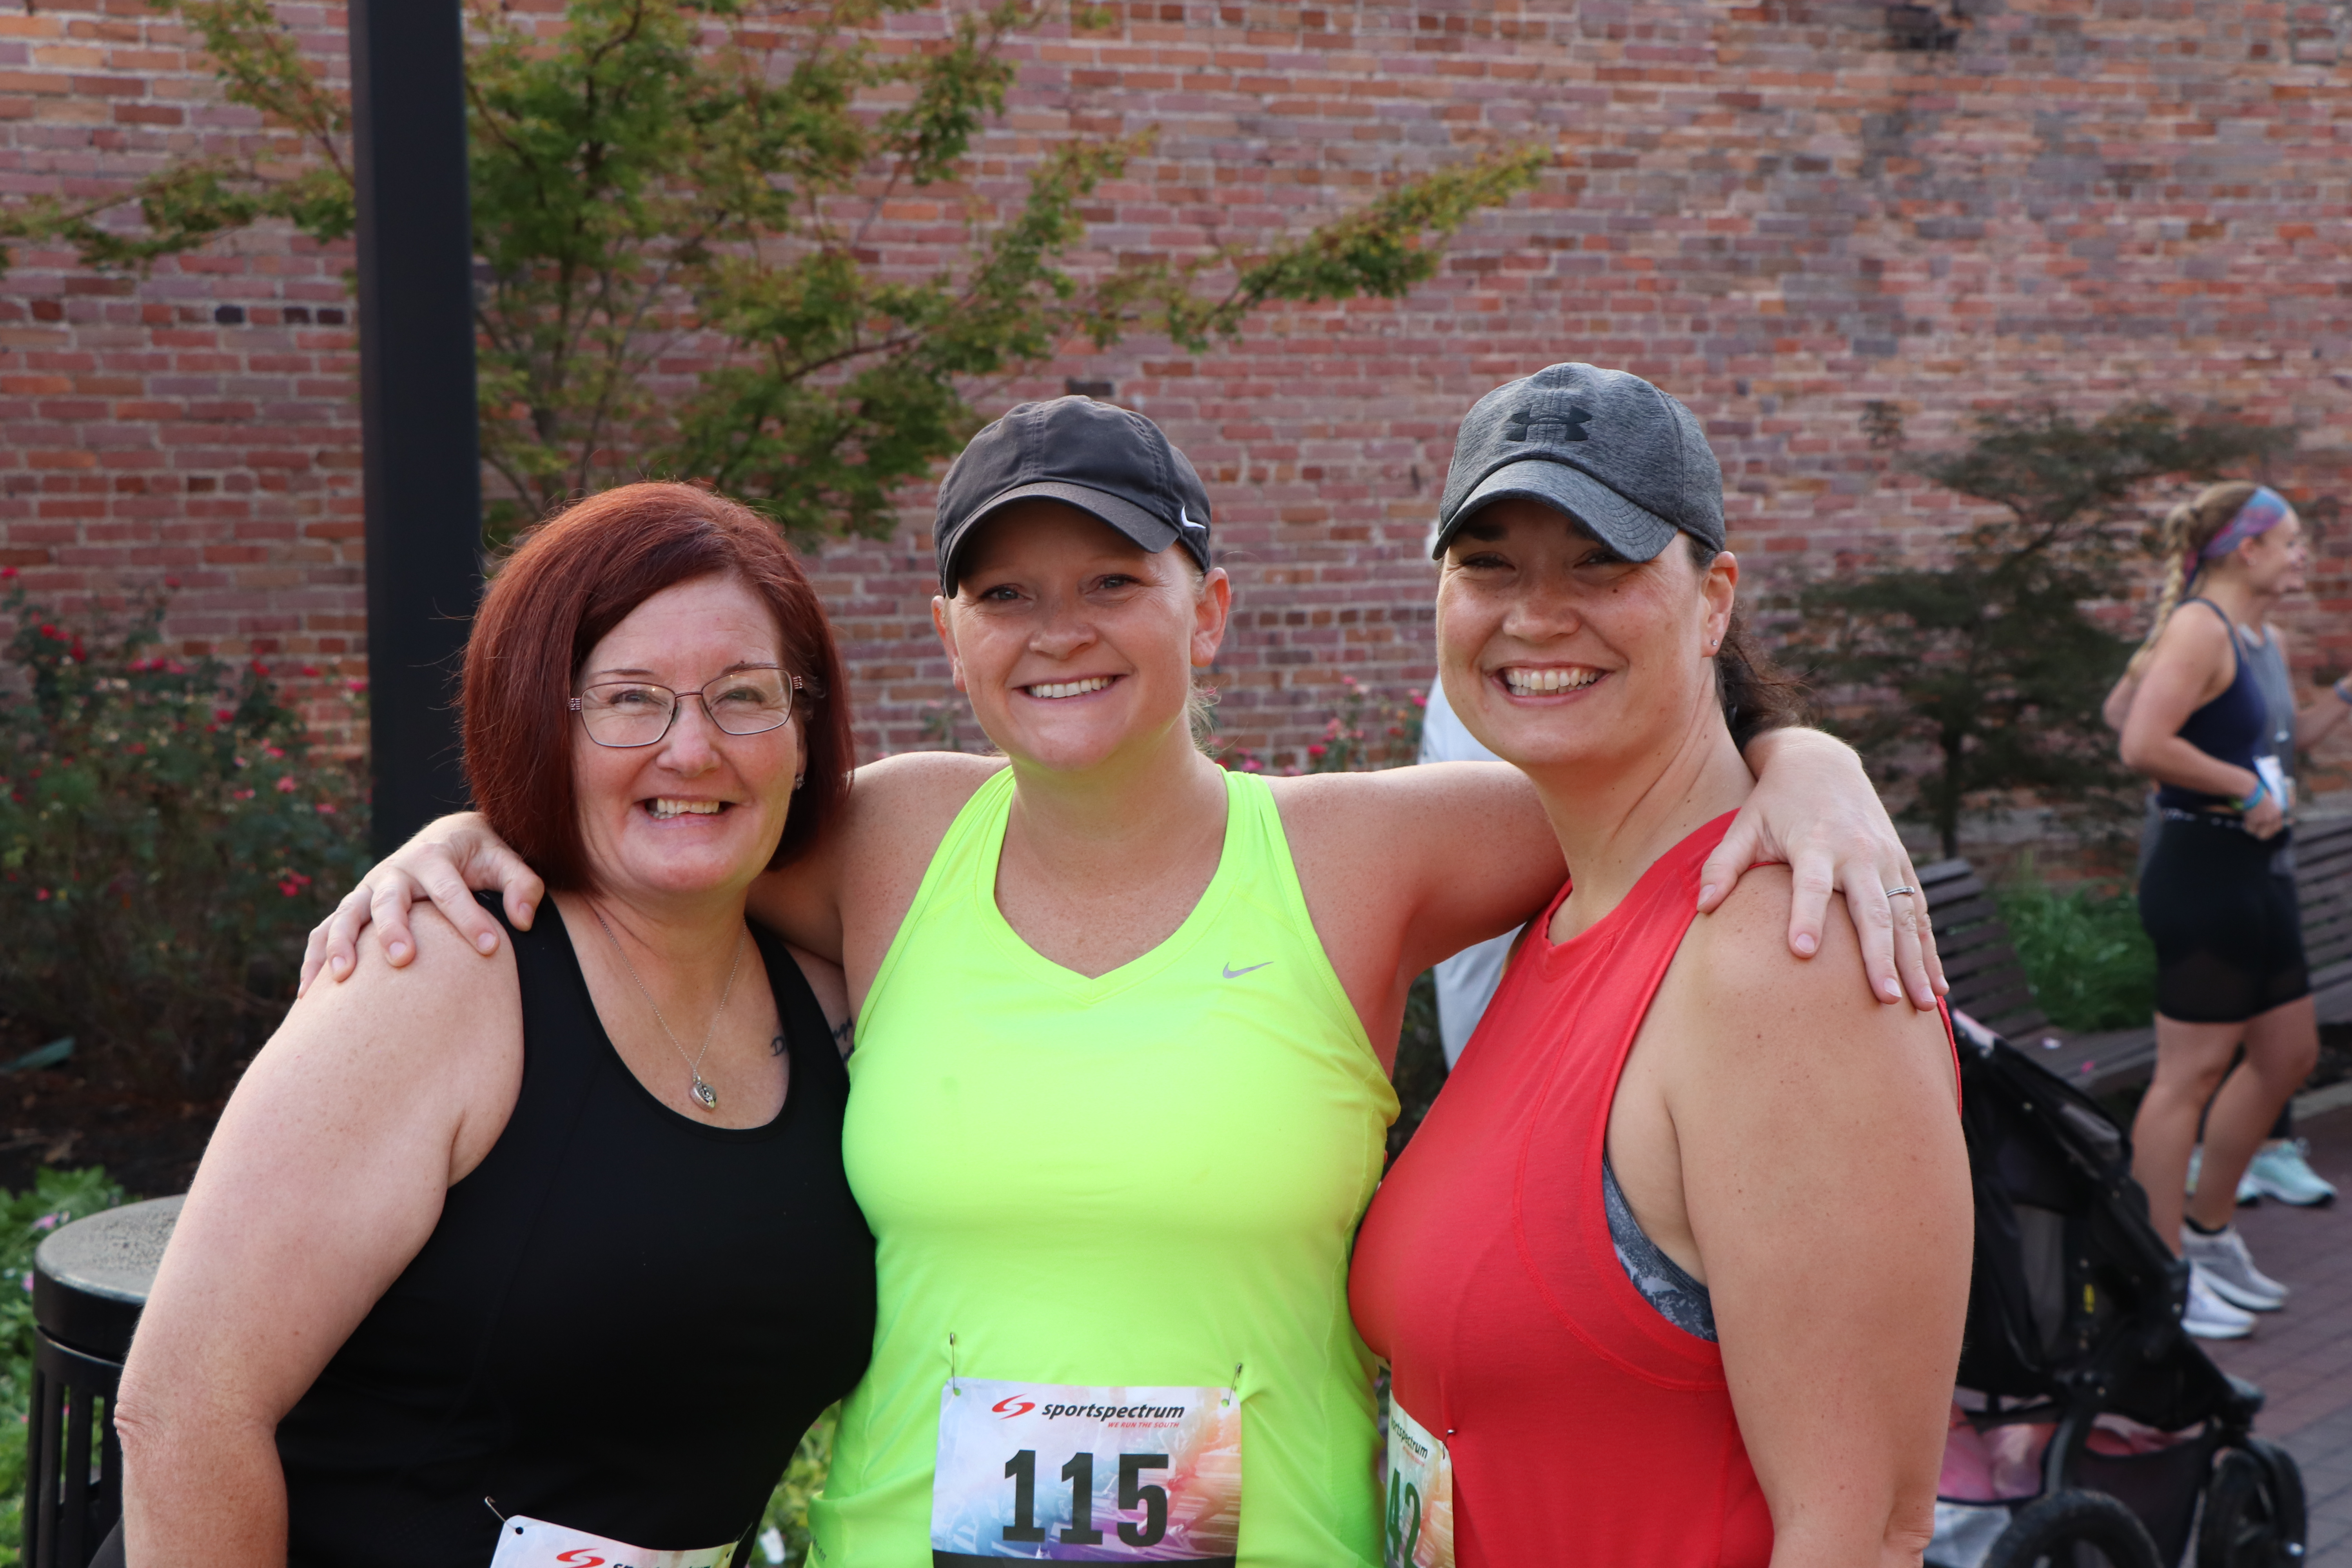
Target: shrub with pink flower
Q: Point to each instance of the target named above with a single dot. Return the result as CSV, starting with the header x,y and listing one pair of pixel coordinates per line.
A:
x,y
152,902
1366,732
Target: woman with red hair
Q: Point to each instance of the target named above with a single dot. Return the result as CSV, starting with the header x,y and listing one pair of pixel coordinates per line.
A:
x,y
512,1260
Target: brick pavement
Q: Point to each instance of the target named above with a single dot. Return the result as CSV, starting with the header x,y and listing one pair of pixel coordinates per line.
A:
x,y
2303,1357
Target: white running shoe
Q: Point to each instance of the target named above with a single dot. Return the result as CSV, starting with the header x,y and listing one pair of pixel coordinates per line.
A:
x,y
2283,1171
2225,1265
2210,1317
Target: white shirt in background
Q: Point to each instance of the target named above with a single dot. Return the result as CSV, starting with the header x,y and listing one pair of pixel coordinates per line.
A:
x,y
1465,982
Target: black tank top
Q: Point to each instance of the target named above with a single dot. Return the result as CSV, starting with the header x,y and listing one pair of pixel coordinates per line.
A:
x,y
2233,728
623,1323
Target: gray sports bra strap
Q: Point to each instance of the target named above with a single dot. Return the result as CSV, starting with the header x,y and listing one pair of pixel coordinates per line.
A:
x,y
1663,1283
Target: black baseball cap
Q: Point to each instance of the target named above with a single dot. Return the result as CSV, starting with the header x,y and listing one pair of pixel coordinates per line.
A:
x,y
1110,463
1625,459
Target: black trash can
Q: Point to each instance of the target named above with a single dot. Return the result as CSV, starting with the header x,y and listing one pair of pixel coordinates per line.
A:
x,y
89,1281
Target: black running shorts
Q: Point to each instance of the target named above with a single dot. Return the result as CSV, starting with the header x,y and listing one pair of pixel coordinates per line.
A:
x,y
2220,905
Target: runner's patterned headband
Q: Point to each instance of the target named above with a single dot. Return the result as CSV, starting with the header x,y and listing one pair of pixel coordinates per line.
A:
x,y
2263,511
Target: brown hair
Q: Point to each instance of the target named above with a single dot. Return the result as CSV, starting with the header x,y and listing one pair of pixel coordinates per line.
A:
x,y
1756,693
572,579
2187,528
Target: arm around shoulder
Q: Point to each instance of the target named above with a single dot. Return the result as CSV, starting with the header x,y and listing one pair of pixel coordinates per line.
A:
x,y
875,855
1424,860
1827,1190
325,1176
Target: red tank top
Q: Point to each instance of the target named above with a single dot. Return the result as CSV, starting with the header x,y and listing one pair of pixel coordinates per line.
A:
x,y
1584,1427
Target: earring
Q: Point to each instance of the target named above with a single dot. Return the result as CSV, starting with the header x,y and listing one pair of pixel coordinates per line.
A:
x,y
798,780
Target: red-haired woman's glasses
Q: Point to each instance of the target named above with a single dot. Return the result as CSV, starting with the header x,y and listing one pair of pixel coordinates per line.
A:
x,y
747,702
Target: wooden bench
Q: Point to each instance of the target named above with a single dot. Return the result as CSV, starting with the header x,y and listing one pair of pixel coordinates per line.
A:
x,y
2323,862
1988,982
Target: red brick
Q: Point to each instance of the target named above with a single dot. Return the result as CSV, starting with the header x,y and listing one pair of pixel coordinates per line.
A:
x,y
1779,220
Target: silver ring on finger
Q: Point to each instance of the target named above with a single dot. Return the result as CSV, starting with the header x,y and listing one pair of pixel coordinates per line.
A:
x,y
1900,892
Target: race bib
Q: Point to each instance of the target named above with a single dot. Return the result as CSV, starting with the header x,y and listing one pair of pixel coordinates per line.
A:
x,y
2274,779
1420,1531
535,1543
1086,1474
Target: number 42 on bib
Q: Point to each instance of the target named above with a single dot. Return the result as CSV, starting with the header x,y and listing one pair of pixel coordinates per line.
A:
x,y
1420,1531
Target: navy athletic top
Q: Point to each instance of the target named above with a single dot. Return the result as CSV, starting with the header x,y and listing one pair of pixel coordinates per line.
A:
x,y
623,1323
2233,728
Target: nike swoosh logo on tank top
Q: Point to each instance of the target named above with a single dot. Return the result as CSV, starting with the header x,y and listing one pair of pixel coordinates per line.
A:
x,y
1233,973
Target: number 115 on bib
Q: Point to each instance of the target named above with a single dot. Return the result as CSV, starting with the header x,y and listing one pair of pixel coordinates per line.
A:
x,y
1069,1473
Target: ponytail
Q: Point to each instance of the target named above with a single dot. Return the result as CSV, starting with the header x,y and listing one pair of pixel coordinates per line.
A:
x,y
2186,530
1757,694
2177,576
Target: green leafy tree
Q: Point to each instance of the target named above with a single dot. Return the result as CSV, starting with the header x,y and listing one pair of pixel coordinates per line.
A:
x,y
1985,674
699,181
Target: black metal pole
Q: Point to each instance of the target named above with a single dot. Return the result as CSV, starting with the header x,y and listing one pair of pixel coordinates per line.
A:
x,y
416,396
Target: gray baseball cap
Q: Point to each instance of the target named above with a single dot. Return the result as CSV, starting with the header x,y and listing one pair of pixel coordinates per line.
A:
x,y
1109,462
1621,456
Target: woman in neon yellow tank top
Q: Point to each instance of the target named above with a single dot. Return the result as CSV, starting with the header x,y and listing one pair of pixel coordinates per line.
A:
x,y
1124,1027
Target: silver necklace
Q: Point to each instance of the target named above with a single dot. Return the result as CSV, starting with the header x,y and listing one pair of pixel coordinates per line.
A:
x,y
704,1095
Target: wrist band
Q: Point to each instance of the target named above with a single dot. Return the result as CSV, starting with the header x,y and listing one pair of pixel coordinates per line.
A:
x,y
2254,799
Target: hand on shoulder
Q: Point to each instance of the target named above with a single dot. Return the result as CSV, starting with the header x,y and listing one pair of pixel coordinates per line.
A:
x,y
1745,980
435,1043
445,978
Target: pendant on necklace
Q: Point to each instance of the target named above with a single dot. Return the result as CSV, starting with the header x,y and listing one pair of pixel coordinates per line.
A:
x,y
704,1095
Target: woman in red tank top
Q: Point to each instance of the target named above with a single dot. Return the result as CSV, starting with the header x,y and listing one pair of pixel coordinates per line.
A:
x,y
1674,1271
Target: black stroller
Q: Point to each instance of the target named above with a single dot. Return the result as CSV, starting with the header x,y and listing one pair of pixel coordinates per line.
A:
x,y
2087,1428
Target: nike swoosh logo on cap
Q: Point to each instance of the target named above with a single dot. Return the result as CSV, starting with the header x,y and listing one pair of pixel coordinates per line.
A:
x,y
1233,973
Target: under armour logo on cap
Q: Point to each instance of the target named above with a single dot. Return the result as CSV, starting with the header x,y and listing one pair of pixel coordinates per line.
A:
x,y
1548,421
1624,461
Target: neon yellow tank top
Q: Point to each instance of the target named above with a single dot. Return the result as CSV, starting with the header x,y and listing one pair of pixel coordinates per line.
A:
x,y
1148,1178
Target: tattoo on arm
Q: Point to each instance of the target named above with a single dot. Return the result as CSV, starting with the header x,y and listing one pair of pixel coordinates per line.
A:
x,y
843,1035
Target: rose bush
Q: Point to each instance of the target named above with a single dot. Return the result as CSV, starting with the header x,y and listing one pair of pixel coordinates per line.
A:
x,y
166,837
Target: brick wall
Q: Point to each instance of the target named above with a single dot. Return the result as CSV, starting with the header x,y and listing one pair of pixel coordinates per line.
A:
x,y
1772,210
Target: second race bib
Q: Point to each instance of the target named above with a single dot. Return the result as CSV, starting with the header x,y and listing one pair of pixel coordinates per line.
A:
x,y
1420,1533
1075,1474
535,1543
